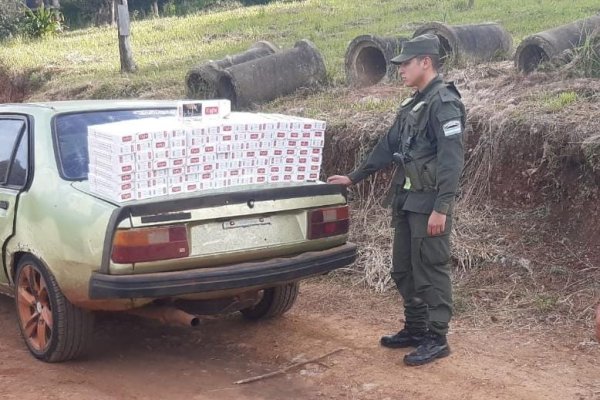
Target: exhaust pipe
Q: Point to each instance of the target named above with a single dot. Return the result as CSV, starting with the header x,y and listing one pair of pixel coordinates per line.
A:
x,y
167,315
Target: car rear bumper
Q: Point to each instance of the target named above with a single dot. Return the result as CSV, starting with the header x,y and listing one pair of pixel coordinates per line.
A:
x,y
246,275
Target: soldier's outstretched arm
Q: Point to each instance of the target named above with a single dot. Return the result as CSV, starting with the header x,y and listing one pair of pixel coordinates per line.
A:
x,y
380,157
448,124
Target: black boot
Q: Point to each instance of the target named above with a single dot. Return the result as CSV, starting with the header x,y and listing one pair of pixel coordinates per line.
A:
x,y
432,347
404,338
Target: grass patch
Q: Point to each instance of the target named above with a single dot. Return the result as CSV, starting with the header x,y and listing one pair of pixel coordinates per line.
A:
x,y
557,102
166,48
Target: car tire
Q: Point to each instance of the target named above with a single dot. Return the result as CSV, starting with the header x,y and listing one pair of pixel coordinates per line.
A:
x,y
53,329
275,301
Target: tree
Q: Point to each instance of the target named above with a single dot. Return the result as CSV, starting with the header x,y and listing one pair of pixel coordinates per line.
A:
x,y
11,13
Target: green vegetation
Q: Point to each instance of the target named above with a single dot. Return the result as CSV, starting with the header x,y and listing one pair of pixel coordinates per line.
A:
x,y
11,12
42,22
555,103
85,63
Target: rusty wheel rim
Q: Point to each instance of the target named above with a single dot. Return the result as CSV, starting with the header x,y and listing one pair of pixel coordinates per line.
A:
x,y
34,308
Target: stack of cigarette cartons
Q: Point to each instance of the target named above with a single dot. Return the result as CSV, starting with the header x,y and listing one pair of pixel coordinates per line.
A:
x,y
153,157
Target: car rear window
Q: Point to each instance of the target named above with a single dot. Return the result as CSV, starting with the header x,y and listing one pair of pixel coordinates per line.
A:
x,y
71,136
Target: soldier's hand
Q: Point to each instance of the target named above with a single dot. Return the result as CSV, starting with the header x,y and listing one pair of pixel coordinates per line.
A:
x,y
437,224
339,180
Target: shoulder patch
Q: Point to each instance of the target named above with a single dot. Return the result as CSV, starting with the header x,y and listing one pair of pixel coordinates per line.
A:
x,y
453,127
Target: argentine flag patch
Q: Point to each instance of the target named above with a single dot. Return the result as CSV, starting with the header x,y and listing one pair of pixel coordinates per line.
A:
x,y
452,128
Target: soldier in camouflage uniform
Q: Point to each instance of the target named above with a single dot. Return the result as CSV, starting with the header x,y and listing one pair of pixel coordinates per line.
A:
x,y
426,141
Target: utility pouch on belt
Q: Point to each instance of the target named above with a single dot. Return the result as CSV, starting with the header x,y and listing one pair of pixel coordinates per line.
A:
x,y
412,172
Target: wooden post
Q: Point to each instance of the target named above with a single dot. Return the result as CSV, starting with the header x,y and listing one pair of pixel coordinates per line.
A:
x,y
127,63
113,12
155,12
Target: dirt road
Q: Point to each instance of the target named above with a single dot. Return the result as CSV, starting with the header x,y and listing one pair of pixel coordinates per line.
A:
x,y
138,359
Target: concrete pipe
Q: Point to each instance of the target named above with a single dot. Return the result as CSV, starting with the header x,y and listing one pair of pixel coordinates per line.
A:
x,y
544,46
267,78
477,42
201,81
368,59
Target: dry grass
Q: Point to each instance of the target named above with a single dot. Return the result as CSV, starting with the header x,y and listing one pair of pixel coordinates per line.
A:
x,y
531,126
505,270
13,86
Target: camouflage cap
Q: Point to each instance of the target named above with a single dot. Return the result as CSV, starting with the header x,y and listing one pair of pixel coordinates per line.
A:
x,y
423,45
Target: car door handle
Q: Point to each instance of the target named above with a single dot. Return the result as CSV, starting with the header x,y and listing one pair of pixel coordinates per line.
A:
x,y
4,205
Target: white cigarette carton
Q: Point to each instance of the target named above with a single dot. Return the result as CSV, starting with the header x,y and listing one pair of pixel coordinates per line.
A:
x,y
112,158
178,132
193,169
317,143
177,152
193,151
161,153
142,156
143,184
120,197
178,142
209,148
176,180
176,189
109,147
160,135
191,186
160,163
101,183
177,171
239,146
206,177
142,194
143,146
262,171
195,177
313,177
223,156
111,134
142,166
201,159
109,175
195,141
113,168
160,144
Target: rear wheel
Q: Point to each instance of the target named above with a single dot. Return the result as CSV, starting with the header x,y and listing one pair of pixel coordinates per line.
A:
x,y
53,329
275,301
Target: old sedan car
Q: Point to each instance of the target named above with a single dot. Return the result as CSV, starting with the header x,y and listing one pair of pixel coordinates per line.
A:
x,y
67,252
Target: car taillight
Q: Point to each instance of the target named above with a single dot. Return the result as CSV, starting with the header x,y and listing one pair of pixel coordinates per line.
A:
x,y
327,222
150,244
